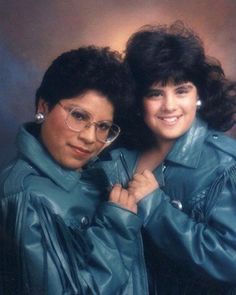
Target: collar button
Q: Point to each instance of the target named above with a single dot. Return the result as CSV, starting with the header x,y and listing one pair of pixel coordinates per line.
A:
x,y
84,222
177,204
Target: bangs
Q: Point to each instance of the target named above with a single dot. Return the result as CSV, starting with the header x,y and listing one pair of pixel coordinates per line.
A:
x,y
175,76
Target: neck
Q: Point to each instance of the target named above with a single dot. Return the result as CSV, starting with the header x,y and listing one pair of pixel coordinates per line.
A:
x,y
153,157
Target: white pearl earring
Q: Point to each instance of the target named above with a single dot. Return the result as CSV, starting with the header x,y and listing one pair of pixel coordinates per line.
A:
x,y
39,118
199,104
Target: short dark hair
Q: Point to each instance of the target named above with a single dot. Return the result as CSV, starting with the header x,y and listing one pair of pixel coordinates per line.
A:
x,y
87,68
176,53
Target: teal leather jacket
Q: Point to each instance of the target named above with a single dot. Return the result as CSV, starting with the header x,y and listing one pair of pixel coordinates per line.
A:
x,y
189,230
58,233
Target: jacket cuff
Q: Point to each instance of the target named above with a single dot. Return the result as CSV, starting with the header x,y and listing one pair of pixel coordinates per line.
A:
x,y
119,219
150,204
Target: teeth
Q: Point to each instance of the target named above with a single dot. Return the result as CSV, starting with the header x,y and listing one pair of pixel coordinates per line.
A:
x,y
170,120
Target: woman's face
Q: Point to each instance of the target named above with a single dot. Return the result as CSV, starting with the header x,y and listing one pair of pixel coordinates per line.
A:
x,y
170,110
69,148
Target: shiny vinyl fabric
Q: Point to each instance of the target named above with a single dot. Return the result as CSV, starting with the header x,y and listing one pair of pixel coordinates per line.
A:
x,y
189,230
58,234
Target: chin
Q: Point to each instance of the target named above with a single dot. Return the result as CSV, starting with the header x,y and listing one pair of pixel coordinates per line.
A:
x,y
170,137
72,164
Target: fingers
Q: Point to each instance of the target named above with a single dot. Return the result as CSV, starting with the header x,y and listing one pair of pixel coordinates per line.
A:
x,y
132,203
142,184
142,179
137,179
122,197
138,176
115,193
148,174
137,194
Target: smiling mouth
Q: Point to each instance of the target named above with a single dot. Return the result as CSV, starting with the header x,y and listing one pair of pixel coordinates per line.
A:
x,y
170,120
81,151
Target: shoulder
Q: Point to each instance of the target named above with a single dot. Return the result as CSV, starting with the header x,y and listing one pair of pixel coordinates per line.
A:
x,y
221,143
21,177
13,177
218,153
22,186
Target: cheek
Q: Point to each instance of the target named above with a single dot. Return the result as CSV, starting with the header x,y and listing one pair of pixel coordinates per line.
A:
x,y
191,108
150,108
54,136
190,114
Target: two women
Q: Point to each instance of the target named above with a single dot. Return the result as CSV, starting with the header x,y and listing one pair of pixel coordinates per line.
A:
x,y
183,172
60,234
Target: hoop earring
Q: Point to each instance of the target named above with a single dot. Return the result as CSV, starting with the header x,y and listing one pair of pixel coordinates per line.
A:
x,y
39,118
199,104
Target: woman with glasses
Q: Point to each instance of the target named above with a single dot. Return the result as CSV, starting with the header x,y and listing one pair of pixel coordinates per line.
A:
x,y
183,172
61,233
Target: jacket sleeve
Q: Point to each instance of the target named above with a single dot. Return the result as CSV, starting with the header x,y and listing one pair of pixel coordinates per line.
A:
x,y
41,255
207,246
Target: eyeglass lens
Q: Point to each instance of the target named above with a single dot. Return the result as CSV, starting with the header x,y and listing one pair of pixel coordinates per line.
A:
x,y
78,119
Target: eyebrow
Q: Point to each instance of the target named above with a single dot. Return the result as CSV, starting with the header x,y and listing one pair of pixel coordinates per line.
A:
x,y
74,106
184,85
71,105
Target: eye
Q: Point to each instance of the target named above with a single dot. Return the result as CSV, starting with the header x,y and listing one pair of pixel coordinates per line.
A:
x,y
182,91
104,126
79,115
153,94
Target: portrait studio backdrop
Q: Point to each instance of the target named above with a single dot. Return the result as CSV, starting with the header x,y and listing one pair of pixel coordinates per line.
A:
x,y
33,33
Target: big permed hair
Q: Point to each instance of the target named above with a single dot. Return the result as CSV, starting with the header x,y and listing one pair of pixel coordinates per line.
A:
x,y
87,68
160,54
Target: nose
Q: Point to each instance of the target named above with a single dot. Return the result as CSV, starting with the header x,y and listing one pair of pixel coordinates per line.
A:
x,y
169,103
88,134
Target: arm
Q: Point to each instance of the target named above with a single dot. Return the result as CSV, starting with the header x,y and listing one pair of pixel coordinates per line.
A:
x,y
51,259
207,246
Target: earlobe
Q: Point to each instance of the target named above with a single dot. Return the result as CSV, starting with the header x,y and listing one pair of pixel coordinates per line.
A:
x,y
39,118
42,106
42,110
199,104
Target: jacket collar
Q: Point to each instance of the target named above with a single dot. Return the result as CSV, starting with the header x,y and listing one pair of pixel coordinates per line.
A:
x,y
34,152
187,149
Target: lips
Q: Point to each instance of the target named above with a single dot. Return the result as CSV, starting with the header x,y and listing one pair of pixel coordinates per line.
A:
x,y
169,120
81,151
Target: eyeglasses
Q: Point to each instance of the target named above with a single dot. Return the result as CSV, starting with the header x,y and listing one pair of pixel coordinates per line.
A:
x,y
77,119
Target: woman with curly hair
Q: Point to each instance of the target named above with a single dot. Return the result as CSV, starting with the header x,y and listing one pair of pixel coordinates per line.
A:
x,y
58,228
183,172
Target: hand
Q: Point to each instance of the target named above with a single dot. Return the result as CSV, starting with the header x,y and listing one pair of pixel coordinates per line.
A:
x,y
121,196
142,184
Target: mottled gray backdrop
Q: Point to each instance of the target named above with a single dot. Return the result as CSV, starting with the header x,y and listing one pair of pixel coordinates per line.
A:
x,y
32,33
